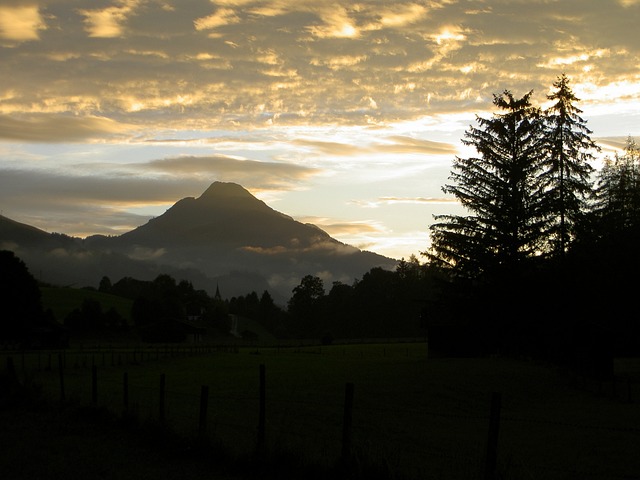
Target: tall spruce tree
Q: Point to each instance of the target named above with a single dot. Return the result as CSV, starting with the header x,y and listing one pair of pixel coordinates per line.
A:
x,y
501,188
567,175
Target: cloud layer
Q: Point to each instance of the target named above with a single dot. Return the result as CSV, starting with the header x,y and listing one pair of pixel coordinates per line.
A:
x,y
212,63
341,110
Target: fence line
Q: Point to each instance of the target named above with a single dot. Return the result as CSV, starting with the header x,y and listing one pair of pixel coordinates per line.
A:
x,y
109,355
162,400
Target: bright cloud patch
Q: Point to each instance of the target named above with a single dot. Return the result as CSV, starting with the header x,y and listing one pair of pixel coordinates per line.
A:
x,y
223,16
56,128
20,23
109,22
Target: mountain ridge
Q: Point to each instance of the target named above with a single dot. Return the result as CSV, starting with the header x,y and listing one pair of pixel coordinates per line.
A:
x,y
225,233
212,217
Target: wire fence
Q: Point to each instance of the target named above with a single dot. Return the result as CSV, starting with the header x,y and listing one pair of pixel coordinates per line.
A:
x,y
465,434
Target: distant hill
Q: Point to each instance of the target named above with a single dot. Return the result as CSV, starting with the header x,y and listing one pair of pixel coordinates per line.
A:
x,y
62,301
12,231
226,238
15,234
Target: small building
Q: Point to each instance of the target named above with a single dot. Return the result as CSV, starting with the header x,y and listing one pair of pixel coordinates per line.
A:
x,y
193,329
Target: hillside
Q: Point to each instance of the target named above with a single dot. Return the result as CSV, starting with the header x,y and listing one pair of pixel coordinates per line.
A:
x,y
224,238
63,300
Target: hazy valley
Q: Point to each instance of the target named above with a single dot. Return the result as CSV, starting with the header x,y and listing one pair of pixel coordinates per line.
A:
x,y
225,238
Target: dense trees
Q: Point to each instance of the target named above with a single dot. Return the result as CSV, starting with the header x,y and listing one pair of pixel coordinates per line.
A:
x,y
163,310
19,297
24,321
617,194
526,191
261,309
540,265
90,318
162,307
605,259
382,304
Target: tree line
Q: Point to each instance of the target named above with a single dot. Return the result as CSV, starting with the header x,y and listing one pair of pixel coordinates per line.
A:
x,y
543,262
381,304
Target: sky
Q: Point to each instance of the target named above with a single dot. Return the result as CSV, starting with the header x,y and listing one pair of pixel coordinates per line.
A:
x,y
346,115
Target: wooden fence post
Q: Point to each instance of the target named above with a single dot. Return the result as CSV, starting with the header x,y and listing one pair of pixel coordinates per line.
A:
x,y
491,464
204,402
262,417
61,372
125,391
347,420
11,371
162,392
94,385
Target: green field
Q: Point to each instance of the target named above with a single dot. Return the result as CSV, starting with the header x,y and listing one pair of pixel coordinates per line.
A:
x,y
422,418
63,300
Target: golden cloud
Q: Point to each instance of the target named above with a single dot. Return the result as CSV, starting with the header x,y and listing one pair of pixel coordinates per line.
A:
x,y
20,23
403,200
331,148
337,228
394,144
404,144
223,16
108,22
306,61
57,128
338,62
399,16
256,175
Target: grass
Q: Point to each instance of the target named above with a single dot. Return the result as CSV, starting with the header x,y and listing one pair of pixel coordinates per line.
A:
x,y
413,416
63,300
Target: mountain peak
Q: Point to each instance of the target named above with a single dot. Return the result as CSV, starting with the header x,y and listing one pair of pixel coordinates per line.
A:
x,y
225,190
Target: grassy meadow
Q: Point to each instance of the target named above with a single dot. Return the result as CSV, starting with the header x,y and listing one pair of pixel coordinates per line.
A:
x,y
417,417
63,300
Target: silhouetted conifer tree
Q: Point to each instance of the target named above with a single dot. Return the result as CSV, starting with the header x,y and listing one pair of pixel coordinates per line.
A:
x,y
502,190
568,172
